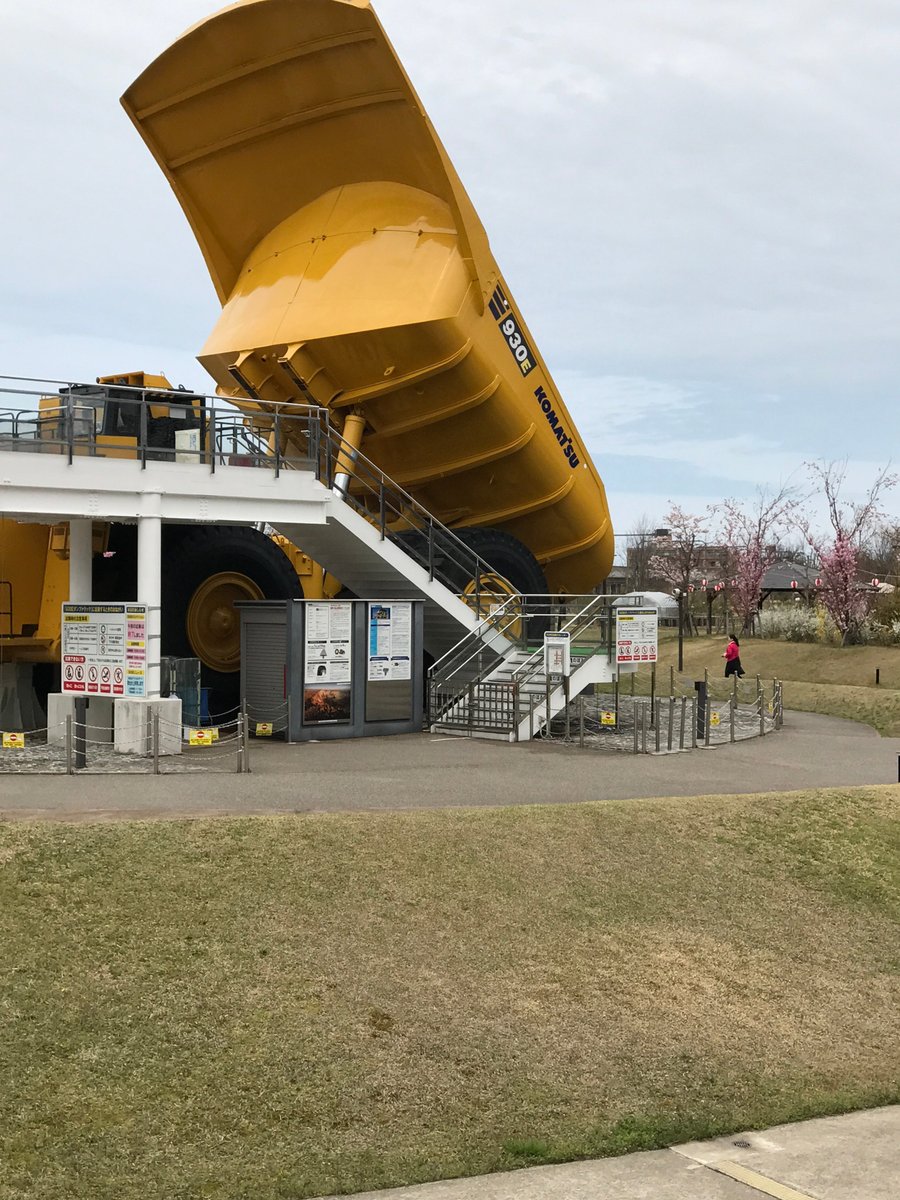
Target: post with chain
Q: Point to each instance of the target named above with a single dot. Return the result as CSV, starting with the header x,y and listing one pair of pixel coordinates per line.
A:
x,y
70,768
155,740
657,714
694,719
700,706
80,732
245,757
671,722
652,692
731,717
636,724
683,717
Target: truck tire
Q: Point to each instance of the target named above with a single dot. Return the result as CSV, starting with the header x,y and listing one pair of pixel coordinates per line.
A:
x,y
508,556
205,572
511,559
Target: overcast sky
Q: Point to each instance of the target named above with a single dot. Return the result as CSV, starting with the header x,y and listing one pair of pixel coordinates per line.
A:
x,y
694,202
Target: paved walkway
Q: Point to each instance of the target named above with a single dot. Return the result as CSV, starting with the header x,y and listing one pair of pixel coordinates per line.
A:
x,y
856,1157
422,771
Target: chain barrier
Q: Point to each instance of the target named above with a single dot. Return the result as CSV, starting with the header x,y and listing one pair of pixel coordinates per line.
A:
x,y
160,746
660,714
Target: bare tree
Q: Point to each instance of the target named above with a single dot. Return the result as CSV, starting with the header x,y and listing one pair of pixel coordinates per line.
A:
x,y
851,522
880,551
639,553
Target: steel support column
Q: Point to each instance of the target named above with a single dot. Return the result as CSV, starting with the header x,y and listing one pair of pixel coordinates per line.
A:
x,y
80,534
149,586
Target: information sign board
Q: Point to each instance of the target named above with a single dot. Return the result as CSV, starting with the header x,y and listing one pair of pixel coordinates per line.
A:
x,y
636,635
328,658
557,653
390,641
104,649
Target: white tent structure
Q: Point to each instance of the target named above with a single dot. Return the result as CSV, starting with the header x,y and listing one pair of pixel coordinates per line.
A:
x,y
666,604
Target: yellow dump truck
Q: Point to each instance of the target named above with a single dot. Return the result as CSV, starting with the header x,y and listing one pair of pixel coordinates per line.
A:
x,y
355,275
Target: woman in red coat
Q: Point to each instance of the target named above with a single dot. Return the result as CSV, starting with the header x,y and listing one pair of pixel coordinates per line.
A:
x,y
732,658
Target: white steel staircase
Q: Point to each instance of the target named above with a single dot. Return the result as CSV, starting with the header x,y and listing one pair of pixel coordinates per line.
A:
x,y
478,691
489,677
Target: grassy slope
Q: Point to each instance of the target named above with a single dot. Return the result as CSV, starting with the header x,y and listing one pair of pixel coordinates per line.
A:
x,y
836,681
288,1007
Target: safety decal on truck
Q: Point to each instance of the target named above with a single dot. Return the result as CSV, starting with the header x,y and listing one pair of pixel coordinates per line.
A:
x,y
502,312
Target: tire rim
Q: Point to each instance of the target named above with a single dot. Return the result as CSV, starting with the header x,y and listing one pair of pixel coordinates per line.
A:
x,y
214,624
493,591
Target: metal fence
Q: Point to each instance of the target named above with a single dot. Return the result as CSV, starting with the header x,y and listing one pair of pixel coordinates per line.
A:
x,y
641,721
160,747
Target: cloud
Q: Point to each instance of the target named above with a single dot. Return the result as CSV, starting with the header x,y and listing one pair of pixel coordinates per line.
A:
x,y
693,202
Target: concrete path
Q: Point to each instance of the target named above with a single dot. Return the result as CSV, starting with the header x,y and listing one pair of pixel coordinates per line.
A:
x,y
856,1157
423,771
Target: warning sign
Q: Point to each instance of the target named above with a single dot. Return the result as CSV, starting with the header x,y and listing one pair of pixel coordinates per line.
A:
x,y
14,741
200,737
607,717
104,649
636,635
263,728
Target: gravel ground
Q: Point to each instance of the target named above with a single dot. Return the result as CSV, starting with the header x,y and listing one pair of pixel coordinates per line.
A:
x,y
39,758
674,716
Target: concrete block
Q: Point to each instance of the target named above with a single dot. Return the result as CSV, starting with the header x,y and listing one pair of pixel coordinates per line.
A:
x,y
99,717
133,720
19,709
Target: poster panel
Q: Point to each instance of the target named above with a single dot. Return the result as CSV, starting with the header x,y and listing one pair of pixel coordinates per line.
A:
x,y
104,649
327,656
390,641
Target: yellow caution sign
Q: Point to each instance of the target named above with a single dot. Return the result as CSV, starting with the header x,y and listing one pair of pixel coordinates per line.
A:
x,y
607,717
200,737
14,741
714,718
263,728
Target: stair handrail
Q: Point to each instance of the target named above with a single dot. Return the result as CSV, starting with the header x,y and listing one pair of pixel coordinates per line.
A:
x,y
440,672
586,617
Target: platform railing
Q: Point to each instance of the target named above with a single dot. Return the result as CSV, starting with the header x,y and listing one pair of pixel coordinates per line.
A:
x,y
151,425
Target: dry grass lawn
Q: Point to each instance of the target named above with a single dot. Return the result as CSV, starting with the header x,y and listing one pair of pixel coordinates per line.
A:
x,y
286,1007
836,681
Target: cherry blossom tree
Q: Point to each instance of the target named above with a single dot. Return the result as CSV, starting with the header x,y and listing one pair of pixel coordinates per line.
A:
x,y
678,556
838,553
751,533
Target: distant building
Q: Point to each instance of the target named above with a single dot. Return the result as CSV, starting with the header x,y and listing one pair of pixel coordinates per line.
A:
x,y
615,583
786,578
